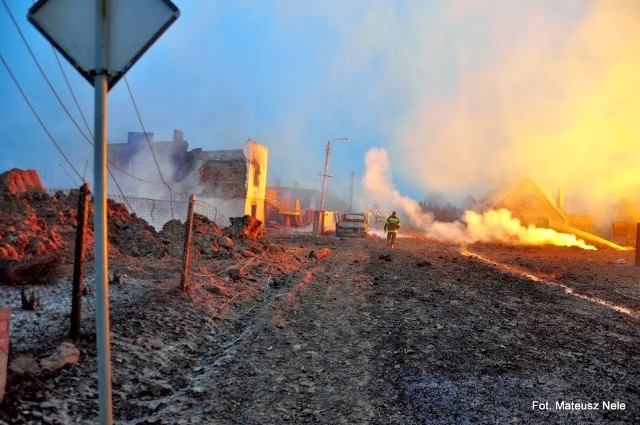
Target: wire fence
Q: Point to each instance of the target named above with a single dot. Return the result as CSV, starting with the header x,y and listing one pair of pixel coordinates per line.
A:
x,y
211,212
195,234
157,212
217,258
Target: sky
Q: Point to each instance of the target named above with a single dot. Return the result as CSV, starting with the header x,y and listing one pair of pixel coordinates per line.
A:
x,y
459,96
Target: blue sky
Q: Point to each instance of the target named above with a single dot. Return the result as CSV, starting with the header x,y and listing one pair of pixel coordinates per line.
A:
x,y
462,94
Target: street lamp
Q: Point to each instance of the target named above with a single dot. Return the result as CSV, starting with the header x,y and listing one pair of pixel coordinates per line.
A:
x,y
326,170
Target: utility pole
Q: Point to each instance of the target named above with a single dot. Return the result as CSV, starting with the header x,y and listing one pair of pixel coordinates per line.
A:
x,y
320,221
351,192
326,170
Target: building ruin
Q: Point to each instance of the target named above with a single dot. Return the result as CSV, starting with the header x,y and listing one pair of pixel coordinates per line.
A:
x,y
234,180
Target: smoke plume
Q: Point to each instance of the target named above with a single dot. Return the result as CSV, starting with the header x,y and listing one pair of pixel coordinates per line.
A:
x,y
556,101
492,226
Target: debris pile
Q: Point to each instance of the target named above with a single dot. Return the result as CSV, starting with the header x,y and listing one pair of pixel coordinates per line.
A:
x,y
34,229
210,241
17,181
37,232
246,226
132,235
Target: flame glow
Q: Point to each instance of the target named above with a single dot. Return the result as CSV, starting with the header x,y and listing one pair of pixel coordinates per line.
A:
x,y
499,225
492,226
557,101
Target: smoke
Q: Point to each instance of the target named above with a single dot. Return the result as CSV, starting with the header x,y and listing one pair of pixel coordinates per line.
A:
x,y
556,101
492,226
155,174
500,225
377,182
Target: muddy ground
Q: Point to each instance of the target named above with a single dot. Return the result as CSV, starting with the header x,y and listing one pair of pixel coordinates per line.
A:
x,y
426,333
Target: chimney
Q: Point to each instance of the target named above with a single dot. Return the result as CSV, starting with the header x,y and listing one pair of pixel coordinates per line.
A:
x,y
178,136
277,183
295,185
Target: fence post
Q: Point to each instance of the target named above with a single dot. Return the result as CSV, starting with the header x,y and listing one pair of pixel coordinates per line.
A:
x,y
78,263
187,244
5,318
637,242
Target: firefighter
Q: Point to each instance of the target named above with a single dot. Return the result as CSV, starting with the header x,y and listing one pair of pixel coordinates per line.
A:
x,y
391,226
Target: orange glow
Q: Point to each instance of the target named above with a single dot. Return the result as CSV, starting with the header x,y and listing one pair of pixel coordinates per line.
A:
x,y
561,110
500,226
492,226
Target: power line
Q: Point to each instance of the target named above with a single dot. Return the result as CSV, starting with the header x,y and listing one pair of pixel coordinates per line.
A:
x,y
70,176
73,94
144,131
146,136
66,110
44,75
87,138
38,117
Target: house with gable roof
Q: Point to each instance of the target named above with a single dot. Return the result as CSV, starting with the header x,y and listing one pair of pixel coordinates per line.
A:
x,y
532,204
527,201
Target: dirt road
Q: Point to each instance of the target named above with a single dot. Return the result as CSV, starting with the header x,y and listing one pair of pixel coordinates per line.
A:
x,y
420,334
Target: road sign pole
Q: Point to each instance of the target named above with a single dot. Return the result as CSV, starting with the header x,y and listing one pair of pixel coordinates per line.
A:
x,y
102,51
100,217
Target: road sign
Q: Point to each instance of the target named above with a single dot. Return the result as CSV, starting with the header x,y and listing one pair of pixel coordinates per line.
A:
x,y
102,39
132,27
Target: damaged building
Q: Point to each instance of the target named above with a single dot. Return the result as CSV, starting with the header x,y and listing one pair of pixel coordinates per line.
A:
x,y
234,180
526,200
532,204
290,206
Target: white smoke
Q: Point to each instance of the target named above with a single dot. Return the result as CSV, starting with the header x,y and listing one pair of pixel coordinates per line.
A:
x,y
377,182
492,226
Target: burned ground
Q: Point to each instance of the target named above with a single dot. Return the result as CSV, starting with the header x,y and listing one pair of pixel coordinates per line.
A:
x,y
420,334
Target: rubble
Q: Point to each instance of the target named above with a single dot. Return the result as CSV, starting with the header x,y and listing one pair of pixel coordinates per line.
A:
x,y
63,355
270,335
32,270
319,254
20,181
246,226
132,236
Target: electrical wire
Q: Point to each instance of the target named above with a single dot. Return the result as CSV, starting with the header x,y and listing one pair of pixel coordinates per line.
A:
x,y
73,94
153,153
70,176
26,99
33,56
87,138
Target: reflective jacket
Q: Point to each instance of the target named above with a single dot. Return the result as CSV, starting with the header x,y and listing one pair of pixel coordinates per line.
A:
x,y
392,224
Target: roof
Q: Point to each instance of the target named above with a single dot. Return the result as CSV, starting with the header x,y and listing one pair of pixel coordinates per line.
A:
x,y
502,194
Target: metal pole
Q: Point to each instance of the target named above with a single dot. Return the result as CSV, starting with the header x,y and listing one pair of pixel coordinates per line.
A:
x,y
324,182
351,192
326,169
100,217
325,175
637,241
